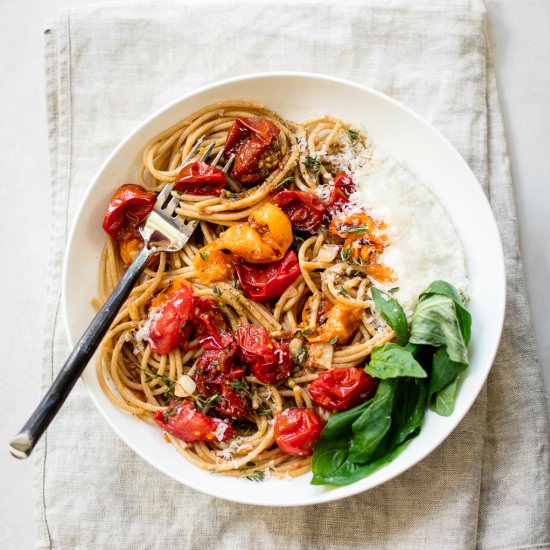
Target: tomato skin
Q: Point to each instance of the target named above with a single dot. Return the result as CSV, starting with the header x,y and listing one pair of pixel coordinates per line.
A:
x,y
297,429
210,326
199,178
248,139
269,360
187,424
342,187
262,282
171,311
341,389
130,204
305,210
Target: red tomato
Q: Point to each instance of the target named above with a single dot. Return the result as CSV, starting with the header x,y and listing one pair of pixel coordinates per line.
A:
x,y
304,209
249,139
130,204
199,178
269,360
341,389
215,374
297,429
210,326
342,187
170,318
187,424
261,282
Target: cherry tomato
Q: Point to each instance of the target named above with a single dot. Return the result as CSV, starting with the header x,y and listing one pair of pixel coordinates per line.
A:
x,y
342,187
199,178
341,389
129,243
216,374
261,282
171,310
210,326
269,360
130,204
253,142
305,210
184,422
297,429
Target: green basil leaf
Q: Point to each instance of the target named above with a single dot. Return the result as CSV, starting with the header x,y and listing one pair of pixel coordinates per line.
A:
x,y
392,312
444,403
391,361
446,289
371,427
409,409
444,371
435,322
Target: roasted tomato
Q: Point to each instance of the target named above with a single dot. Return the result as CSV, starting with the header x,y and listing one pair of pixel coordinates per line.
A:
x,y
359,226
269,360
130,204
305,210
199,178
297,429
217,374
253,141
210,326
170,312
340,190
341,389
184,422
382,273
262,282
341,322
213,263
129,243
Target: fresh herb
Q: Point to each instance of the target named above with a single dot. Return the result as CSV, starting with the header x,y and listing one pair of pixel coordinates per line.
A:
x,y
392,361
202,402
313,163
250,464
392,312
263,411
298,238
241,385
345,254
256,475
216,290
333,340
234,196
203,255
169,391
288,179
393,290
302,356
357,229
353,135
343,291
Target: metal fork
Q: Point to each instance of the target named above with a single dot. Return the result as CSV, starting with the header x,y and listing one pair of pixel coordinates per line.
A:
x,y
163,231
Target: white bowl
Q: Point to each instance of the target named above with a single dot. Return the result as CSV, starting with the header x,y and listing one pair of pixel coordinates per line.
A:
x,y
404,135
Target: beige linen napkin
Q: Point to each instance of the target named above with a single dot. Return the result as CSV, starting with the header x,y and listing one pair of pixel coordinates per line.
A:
x,y
110,66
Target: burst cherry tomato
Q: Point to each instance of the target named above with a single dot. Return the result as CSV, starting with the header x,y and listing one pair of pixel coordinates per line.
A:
x,y
269,360
199,178
252,141
297,429
210,326
184,422
171,310
261,282
130,204
342,187
304,209
341,389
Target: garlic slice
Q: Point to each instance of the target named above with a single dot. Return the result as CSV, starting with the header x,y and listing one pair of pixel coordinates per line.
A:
x,y
184,386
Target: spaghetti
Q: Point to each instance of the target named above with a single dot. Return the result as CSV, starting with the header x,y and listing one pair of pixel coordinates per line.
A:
x,y
280,266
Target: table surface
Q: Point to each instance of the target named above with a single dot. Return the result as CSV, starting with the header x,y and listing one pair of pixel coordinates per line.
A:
x,y
521,43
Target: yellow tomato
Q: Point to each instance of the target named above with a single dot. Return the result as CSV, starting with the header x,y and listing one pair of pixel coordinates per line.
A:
x,y
213,264
342,321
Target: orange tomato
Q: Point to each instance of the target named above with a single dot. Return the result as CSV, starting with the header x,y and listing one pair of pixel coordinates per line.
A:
x,y
213,264
342,321
359,226
382,273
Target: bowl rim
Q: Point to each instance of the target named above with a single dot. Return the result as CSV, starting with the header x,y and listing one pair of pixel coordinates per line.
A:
x,y
500,281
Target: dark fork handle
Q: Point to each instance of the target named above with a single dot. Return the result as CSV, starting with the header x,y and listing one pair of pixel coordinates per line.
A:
x,y
23,443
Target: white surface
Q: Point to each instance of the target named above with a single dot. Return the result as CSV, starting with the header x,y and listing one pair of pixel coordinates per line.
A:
x,y
521,34
400,133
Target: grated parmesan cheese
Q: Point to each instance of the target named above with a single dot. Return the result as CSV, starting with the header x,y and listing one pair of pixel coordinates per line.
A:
x,y
424,243
220,430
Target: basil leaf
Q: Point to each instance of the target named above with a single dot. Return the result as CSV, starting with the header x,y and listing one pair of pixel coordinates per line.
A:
x,y
445,400
446,289
371,427
444,371
391,311
391,361
409,409
435,322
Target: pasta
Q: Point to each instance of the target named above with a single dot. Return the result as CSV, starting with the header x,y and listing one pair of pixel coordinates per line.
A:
x,y
321,320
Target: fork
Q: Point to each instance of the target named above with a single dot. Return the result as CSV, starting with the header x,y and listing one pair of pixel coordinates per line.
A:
x,y
163,231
